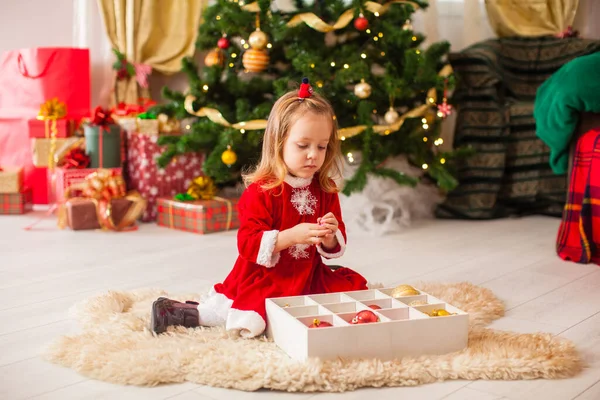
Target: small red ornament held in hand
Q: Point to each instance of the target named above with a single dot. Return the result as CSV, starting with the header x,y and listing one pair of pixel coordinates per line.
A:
x,y
305,89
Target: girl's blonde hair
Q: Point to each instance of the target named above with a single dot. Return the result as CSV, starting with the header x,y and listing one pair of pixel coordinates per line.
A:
x,y
271,169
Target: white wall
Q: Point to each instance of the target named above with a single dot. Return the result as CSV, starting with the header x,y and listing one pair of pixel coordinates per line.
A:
x,y
37,23
28,23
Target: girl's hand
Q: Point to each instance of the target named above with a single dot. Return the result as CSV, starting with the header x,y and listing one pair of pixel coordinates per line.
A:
x,y
306,233
330,222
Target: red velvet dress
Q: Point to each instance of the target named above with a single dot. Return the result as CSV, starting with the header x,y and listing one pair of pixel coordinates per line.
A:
x,y
259,272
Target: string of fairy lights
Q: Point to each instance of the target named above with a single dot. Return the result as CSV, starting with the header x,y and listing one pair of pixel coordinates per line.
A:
x,y
362,89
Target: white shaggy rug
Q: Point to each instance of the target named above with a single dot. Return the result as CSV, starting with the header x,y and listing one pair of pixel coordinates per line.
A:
x,y
116,346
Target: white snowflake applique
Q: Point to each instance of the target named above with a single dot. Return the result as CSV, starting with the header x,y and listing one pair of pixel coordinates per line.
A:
x,y
304,201
299,251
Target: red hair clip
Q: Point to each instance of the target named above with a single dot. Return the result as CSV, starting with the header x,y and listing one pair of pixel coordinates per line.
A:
x,y
305,89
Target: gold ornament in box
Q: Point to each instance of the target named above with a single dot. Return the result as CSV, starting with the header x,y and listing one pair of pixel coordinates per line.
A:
x,y
403,291
439,313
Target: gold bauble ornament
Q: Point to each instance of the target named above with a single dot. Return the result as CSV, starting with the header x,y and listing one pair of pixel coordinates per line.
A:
x,y
255,60
404,290
391,116
214,57
229,157
362,90
258,40
439,313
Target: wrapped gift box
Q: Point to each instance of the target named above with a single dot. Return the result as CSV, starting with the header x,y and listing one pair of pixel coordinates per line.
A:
x,y
82,214
111,139
201,216
11,180
41,150
41,129
148,126
146,177
63,178
16,203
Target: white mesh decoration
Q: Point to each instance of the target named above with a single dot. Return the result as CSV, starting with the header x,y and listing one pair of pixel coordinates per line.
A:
x,y
384,206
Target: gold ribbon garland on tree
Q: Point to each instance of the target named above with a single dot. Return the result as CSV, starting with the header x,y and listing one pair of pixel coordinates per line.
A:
x,y
343,133
318,24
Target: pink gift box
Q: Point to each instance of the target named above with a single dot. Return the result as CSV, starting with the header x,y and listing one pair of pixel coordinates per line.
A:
x,y
151,181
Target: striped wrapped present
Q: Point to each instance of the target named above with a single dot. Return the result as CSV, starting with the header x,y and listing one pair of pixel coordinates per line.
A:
x,y
200,216
16,203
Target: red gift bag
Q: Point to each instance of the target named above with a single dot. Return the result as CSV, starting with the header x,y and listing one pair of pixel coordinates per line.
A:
x,y
29,77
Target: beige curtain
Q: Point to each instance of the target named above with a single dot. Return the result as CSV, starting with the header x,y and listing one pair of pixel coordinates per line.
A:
x,y
530,17
159,33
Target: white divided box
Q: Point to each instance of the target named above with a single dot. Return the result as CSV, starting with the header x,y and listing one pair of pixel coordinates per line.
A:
x,y
403,330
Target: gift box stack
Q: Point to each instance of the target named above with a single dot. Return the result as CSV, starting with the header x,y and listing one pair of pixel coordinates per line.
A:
x,y
14,197
28,79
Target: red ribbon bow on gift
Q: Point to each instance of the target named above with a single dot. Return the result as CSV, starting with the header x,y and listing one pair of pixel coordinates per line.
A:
x,y
101,117
123,109
76,158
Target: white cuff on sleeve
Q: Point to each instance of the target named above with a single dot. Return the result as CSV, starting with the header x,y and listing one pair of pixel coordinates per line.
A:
x,y
342,244
266,256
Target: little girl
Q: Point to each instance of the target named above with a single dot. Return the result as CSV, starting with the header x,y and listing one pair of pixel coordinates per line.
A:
x,y
290,217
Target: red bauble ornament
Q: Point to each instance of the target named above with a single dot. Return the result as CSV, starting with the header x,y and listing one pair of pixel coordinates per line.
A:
x,y
361,23
319,324
374,307
223,43
364,317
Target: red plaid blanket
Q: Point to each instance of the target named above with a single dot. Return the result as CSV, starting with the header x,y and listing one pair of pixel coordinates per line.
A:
x,y
579,234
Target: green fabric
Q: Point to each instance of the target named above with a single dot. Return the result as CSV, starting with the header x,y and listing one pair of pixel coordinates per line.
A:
x,y
574,88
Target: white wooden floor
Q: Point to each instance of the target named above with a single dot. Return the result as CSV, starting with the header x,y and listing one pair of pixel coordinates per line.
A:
x,y
42,273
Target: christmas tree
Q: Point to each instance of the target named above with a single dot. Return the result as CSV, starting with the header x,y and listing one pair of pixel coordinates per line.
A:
x,y
362,55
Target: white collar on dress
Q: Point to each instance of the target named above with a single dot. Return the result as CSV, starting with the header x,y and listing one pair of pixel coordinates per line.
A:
x,y
297,182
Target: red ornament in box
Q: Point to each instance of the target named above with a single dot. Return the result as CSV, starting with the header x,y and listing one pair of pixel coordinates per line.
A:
x,y
319,324
151,181
364,317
